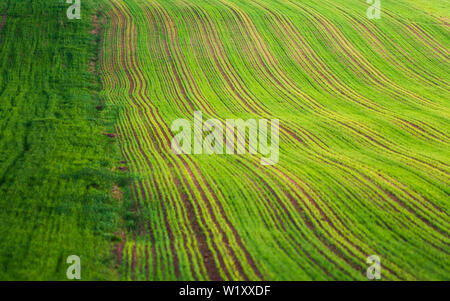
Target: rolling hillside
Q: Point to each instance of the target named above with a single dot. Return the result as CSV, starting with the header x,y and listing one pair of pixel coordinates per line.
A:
x,y
363,108
363,169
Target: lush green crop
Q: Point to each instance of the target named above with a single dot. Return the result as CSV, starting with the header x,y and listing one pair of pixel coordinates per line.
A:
x,y
364,140
363,108
55,164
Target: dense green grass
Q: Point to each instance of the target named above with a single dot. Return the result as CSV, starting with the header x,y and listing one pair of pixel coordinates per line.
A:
x,y
364,141
55,165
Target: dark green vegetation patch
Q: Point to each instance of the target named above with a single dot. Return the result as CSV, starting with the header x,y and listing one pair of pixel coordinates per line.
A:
x,y
56,164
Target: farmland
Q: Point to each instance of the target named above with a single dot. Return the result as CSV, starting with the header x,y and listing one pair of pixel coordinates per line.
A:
x,y
56,166
86,165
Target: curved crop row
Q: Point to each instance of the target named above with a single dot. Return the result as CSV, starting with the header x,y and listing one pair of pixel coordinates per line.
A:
x,y
363,140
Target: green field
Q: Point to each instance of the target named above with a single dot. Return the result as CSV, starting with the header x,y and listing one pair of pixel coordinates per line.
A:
x,y
86,165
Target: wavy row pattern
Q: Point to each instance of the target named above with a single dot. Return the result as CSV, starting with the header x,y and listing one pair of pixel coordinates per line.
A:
x,y
363,110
